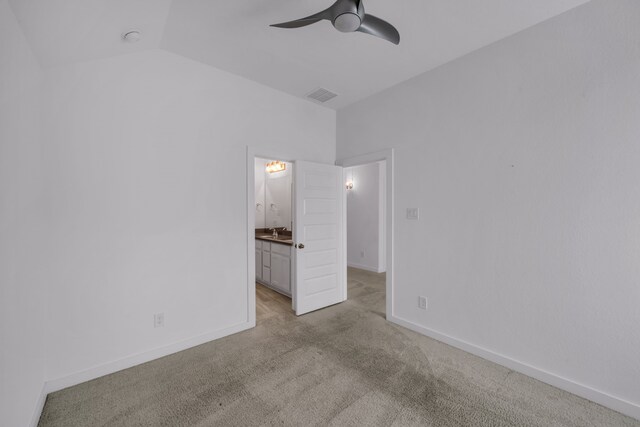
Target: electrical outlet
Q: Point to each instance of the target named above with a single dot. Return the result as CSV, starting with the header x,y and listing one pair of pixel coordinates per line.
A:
x,y
158,320
422,303
361,254
413,213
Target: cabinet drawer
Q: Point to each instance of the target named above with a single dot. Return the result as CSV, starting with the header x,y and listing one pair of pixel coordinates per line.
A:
x,y
266,246
266,274
266,259
281,249
258,244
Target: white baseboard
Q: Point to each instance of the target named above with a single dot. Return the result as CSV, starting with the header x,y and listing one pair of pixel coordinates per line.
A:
x,y
617,404
364,267
137,359
623,406
35,419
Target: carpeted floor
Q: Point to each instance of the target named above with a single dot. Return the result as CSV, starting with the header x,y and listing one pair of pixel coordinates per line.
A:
x,y
342,366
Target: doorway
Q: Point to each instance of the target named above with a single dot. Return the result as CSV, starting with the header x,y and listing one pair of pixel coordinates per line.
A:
x,y
366,201
366,238
385,199
307,256
274,225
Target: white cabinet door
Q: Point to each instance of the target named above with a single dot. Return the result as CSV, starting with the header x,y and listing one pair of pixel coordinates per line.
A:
x,y
280,272
258,264
266,275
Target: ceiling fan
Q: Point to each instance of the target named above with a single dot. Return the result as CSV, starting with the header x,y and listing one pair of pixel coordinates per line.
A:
x,y
348,16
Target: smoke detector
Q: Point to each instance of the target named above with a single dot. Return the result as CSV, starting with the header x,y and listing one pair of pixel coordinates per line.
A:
x,y
132,36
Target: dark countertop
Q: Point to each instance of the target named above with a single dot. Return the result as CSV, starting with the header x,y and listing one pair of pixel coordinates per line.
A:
x,y
283,237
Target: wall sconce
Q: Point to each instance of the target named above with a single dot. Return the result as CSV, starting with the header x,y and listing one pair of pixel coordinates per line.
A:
x,y
276,166
349,185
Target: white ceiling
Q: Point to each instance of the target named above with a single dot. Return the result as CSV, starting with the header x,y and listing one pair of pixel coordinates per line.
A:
x,y
68,31
234,35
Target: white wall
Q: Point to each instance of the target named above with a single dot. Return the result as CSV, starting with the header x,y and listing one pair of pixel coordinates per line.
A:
x,y
23,238
524,160
365,217
148,178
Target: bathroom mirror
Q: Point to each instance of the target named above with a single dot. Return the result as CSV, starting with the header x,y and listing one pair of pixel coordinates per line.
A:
x,y
273,194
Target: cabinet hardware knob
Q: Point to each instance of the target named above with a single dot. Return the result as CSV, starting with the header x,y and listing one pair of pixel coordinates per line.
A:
x,y
300,246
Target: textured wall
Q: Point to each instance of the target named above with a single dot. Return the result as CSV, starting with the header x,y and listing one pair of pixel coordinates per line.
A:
x,y
523,158
148,178
23,227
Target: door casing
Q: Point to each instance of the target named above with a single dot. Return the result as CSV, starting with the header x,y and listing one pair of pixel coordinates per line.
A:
x,y
386,155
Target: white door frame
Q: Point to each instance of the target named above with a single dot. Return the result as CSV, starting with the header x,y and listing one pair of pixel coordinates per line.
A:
x,y
365,159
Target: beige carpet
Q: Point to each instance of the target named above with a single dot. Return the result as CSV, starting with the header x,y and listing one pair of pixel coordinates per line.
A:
x,y
341,366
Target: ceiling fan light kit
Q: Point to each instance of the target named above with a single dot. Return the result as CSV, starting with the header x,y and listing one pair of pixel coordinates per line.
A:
x,y
347,22
348,16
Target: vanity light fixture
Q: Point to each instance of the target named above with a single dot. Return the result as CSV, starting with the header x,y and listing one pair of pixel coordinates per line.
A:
x,y
276,166
349,185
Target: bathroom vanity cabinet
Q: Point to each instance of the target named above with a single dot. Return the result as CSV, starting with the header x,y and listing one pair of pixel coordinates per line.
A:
x,y
273,266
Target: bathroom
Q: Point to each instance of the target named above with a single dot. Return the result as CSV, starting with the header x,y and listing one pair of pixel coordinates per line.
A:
x,y
274,224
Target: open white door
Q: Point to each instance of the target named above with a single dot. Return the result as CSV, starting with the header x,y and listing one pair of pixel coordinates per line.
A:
x,y
319,236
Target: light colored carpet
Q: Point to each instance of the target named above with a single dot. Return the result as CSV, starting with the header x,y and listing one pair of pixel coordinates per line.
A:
x,y
343,366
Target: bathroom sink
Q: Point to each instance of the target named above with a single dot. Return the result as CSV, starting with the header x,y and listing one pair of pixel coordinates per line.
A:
x,y
269,236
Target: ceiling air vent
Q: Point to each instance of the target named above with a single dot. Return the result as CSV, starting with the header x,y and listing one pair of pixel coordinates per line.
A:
x,y
321,95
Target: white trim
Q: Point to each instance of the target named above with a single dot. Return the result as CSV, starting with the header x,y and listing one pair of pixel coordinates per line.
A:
x,y
386,155
37,412
364,267
251,238
382,223
345,262
616,403
137,359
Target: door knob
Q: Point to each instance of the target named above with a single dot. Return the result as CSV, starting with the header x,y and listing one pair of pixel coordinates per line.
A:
x,y
300,246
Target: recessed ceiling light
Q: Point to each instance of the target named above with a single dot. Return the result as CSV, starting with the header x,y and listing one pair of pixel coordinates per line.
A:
x,y
131,36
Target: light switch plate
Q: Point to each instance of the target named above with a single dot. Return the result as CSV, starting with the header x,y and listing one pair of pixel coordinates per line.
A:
x,y
413,213
158,320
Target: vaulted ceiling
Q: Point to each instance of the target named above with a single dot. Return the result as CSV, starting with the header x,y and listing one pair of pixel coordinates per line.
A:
x,y
234,35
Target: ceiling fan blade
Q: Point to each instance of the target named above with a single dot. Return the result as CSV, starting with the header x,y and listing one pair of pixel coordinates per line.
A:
x,y
303,22
379,28
297,23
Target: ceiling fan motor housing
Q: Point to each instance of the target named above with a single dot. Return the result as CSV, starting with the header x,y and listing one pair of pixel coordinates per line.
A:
x,y
348,16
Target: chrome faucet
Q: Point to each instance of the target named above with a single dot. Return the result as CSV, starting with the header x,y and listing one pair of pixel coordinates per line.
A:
x,y
274,231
